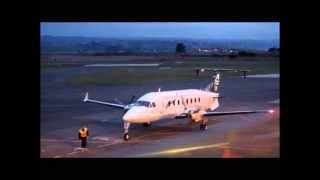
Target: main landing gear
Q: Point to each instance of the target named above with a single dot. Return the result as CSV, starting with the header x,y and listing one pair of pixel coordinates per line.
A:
x,y
148,124
204,124
203,127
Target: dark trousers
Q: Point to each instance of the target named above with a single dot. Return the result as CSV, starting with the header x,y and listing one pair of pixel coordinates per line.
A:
x,y
83,142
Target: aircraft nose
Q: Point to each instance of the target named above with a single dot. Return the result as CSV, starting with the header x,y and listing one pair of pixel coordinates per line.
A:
x,y
126,117
129,116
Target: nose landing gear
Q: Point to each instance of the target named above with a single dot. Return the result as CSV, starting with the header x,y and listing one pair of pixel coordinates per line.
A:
x,y
126,126
126,136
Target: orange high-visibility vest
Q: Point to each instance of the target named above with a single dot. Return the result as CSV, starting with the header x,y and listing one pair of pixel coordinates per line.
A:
x,y
83,133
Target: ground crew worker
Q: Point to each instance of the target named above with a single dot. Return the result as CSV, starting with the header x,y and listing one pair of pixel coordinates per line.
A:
x,y
198,72
83,135
244,74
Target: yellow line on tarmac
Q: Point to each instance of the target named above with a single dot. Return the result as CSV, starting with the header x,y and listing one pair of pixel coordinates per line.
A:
x,y
181,150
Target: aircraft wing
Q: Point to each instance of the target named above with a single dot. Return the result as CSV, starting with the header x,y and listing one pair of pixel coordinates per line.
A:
x,y
217,113
86,99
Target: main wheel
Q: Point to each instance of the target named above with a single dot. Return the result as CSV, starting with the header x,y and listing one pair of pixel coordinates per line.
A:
x,y
126,137
203,127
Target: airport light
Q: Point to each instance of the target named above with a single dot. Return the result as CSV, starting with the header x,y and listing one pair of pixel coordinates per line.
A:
x,y
271,111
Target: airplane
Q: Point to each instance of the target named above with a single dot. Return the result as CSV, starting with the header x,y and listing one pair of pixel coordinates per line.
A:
x,y
244,71
193,104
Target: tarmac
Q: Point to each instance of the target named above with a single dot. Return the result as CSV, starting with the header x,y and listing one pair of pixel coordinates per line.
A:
x,y
233,136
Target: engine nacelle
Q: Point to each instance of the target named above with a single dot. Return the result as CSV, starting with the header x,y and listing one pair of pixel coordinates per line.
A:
x,y
197,116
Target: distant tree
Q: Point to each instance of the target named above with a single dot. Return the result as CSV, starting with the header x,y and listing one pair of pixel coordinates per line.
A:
x,y
245,53
180,48
273,49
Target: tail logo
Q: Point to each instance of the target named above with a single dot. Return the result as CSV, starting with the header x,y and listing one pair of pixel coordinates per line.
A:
x,y
216,82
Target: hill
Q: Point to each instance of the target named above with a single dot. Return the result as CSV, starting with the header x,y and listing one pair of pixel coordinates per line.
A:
x,y
63,44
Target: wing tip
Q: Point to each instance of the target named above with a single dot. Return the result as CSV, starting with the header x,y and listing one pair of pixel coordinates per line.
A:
x,y
86,97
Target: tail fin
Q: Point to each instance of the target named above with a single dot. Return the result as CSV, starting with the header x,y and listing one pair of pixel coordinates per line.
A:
x,y
213,86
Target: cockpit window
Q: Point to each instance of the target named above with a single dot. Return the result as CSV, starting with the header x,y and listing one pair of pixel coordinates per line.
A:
x,y
143,103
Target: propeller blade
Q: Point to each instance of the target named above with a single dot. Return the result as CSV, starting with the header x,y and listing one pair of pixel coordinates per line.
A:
x,y
132,99
129,105
118,101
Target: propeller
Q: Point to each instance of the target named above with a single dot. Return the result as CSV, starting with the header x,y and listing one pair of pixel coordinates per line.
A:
x,y
132,99
130,104
118,101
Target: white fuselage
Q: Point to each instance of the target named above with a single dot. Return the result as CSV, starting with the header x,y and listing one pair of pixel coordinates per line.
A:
x,y
154,106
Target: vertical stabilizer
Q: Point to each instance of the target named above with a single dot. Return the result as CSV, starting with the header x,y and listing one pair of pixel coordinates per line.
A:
x,y
213,86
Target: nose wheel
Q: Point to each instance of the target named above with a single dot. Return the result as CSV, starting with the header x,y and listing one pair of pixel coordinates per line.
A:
x,y
126,136
126,126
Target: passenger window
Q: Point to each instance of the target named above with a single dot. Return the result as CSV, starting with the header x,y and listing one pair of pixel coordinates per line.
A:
x,y
154,104
174,102
187,101
169,103
178,102
198,99
195,99
190,100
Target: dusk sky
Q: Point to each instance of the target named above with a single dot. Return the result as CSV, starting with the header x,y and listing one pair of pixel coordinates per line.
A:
x,y
259,31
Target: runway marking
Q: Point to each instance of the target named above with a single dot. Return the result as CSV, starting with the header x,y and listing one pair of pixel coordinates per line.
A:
x,y
181,150
91,141
122,65
264,76
277,101
110,143
269,135
103,121
107,141
58,140
55,106
101,138
78,150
